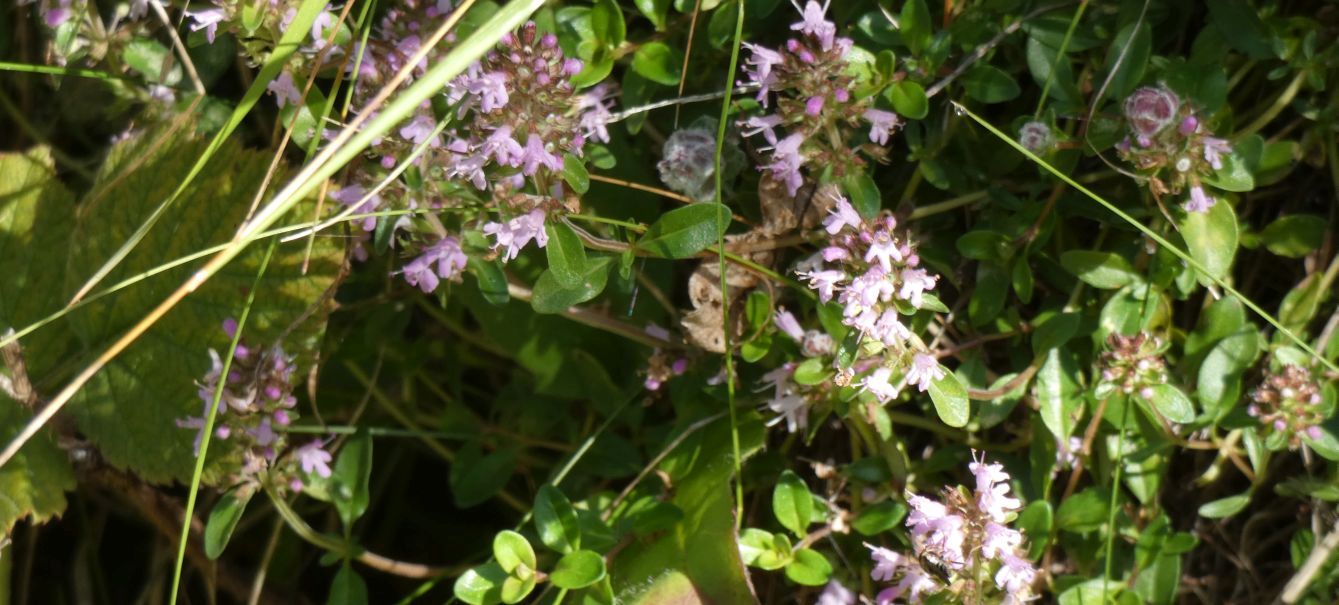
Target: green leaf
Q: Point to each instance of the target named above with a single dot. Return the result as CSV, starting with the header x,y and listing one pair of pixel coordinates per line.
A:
x,y
950,399
575,174
915,26
1057,393
567,256
810,568
348,587
1233,176
578,569
1242,28
512,551
1327,446
984,245
989,84
658,62
1105,270
654,10
1057,330
764,550
36,219
350,476
1172,403
1219,377
699,560
683,232
1035,523
792,504
223,520
879,518
492,281
128,408
1084,511
475,477
515,589
481,585
864,194
549,296
1225,507
153,60
811,371
1128,58
1294,236
908,98
606,23
556,520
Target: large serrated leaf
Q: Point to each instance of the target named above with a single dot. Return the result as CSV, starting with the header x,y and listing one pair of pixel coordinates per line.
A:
x,y
36,217
129,408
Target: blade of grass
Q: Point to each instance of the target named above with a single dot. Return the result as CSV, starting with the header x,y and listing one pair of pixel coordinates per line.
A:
x,y
1151,234
345,148
208,431
288,45
725,290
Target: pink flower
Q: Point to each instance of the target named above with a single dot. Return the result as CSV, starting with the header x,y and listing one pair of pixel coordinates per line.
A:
x,y
787,161
502,147
350,195
889,330
444,260
881,124
536,154
313,459
207,19
1214,148
991,490
595,115
941,530
285,93
518,232
877,383
1015,577
1199,201
842,215
999,541
491,89
914,283
836,594
825,282
814,23
419,129
763,124
924,370
787,323
885,249
886,562
758,68
813,106
915,582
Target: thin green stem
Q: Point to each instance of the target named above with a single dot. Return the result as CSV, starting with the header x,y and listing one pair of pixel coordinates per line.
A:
x,y
208,430
1115,491
722,217
589,218
59,71
1275,108
947,205
1059,56
1153,235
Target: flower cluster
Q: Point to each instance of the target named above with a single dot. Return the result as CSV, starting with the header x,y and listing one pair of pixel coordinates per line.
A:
x,y
255,403
688,161
662,365
1171,146
1036,137
1132,364
809,77
1289,402
957,542
876,277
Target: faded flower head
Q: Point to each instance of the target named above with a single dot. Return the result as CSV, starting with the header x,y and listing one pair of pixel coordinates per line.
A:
x,y
1131,365
1149,110
1288,404
1036,137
